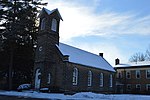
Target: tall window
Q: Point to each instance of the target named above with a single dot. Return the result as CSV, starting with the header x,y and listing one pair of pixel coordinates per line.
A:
x,y
119,75
148,87
75,76
148,74
110,81
128,74
138,87
54,25
49,78
101,79
89,78
138,74
43,22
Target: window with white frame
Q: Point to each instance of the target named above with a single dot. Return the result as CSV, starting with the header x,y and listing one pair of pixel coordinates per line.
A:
x,y
138,74
54,25
110,80
49,78
128,87
128,74
43,22
138,87
101,79
148,87
148,74
89,78
75,76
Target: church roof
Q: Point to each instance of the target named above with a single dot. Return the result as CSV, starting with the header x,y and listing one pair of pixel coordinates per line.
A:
x,y
50,12
79,56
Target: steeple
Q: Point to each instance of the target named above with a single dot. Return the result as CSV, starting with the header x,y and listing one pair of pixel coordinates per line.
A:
x,y
48,35
49,24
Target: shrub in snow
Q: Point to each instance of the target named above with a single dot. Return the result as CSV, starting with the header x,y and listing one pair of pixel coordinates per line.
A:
x,y
24,87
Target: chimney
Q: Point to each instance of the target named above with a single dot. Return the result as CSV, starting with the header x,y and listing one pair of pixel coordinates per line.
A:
x,y
101,54
66,58
117,61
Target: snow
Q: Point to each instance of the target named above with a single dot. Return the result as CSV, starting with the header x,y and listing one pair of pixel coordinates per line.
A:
x,y
77,96
79,56
133,64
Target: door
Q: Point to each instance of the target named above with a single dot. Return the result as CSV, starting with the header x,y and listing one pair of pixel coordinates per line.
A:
x,y
37,79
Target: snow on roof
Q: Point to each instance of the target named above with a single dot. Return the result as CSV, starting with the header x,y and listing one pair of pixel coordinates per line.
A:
x,y
85,58
50,12
134,64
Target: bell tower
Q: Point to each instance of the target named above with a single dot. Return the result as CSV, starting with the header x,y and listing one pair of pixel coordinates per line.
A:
x,y
48,35
48,38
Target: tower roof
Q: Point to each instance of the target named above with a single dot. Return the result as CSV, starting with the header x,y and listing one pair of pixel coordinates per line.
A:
x,y
50,12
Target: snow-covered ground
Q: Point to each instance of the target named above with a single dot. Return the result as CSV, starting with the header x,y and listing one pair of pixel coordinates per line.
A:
x,y
78,96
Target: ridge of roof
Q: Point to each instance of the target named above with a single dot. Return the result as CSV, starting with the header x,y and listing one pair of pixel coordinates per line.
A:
x,y
83,57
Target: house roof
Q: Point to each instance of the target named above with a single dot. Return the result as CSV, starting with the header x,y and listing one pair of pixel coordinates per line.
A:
x,y
134,64
79,56
50,12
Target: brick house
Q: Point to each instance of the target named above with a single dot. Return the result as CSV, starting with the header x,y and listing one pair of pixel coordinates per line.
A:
x,y
133,77
63,68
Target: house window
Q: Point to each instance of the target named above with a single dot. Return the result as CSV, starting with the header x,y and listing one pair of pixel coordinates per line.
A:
x,y
110,81
89,78
138,87
119,75
148,87
128,87
138,74
75,76
101,79
54,25
49,78
128,74
148,74
43,22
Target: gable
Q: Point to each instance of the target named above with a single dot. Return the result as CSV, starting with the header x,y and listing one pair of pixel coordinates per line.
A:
x,y
85,58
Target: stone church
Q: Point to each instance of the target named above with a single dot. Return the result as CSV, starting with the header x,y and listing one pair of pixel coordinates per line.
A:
x,y
63,68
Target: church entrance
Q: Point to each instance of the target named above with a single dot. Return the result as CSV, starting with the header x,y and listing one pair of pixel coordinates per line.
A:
x,y
37,79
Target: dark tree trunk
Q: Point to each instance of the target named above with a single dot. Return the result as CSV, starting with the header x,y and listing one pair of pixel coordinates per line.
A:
x,y
10,68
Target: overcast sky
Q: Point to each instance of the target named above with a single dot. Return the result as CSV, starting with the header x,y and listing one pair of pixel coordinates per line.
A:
x,y
117,28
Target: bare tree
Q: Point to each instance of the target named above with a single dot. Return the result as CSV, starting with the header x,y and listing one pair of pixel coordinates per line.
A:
x,y
148,54
137,57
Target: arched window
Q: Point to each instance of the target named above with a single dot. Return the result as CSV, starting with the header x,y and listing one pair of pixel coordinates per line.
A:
x,y
110,80
101,79
54,25
43,22
89,78
119,75
75,76
128,74
37,78
49,78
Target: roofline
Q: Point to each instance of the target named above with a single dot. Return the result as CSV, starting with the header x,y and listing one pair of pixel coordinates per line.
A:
x,y
132,67
92,67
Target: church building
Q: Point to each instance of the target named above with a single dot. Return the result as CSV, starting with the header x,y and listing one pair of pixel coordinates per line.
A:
x,y
63,68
